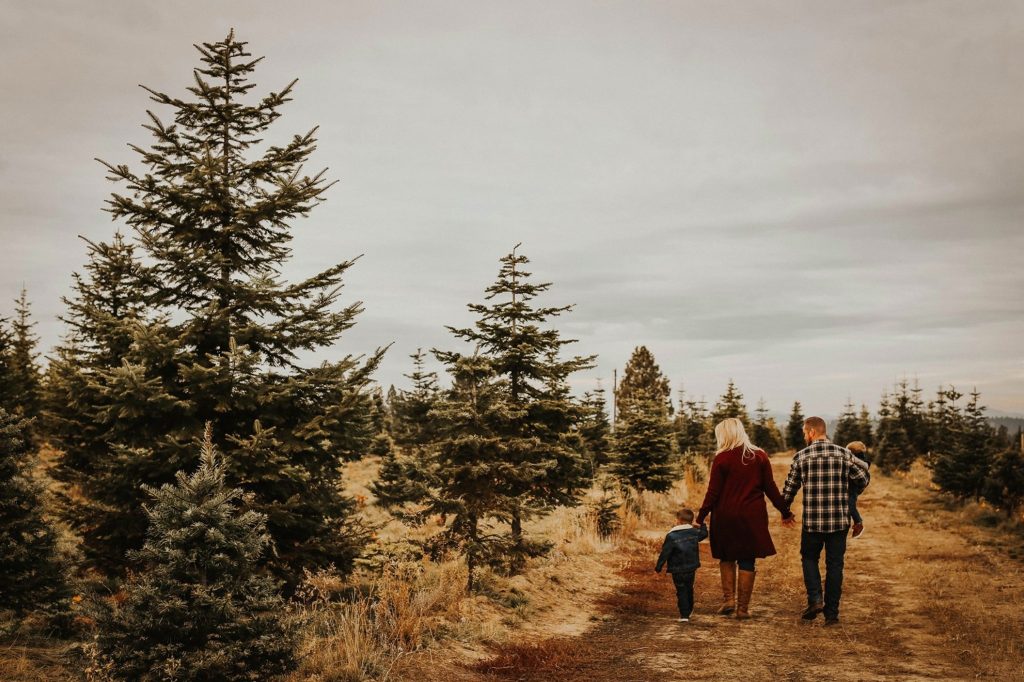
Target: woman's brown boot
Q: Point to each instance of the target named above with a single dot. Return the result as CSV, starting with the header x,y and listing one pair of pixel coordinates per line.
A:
x,y
744,588
728,569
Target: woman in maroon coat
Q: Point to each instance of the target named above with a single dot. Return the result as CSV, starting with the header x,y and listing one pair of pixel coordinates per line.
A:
x,y
741,477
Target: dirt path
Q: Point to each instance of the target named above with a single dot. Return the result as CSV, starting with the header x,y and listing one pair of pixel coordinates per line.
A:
x,y
911,562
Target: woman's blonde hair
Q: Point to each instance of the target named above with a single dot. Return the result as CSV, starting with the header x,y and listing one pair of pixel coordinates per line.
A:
x,y
730,434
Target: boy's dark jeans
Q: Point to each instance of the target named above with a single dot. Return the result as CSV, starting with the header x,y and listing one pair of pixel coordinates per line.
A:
x,y
684,592
834,545
854,514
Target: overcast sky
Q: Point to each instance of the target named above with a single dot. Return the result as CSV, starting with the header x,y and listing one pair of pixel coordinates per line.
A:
x,y
814,198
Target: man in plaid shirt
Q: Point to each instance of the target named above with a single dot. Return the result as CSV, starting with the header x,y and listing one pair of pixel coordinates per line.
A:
x,y
827,474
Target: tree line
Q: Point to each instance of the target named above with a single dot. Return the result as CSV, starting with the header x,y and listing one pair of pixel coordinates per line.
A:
x,y
198,460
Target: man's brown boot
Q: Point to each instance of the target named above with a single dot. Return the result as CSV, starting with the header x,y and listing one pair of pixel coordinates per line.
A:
x,y
728,569
744,588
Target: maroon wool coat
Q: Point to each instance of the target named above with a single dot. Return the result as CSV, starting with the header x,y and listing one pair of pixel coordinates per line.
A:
x,y
735,500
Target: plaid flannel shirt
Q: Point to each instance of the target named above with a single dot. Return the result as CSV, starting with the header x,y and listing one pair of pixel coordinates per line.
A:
x,y
827,474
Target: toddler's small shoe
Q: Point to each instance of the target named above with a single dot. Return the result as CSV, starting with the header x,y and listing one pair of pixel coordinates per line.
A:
x,y
858,530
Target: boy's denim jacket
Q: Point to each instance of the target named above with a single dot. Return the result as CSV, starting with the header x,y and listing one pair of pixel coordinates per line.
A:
x,y
680,550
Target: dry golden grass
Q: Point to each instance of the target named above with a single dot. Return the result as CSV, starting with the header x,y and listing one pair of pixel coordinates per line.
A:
x,y
23,662
403,611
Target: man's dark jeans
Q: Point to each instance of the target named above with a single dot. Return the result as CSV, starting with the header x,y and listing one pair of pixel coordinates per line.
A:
x,y
684,592
834,545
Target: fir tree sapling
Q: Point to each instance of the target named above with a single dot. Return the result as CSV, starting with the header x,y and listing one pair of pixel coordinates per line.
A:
x,y
643,446
199,609
596,428
407,467
643,435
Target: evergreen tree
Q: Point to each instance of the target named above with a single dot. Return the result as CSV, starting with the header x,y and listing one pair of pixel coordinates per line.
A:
x,y
479,469
946,422
8,394
848,428
643,446
24,376
895,452
731,405
1004,484
965,468
108,299
411,423
407,471
908,409
605,511
199,610
642,380
34,575
213,217
691,425
549,470
795,428
596,428
865,431
764,433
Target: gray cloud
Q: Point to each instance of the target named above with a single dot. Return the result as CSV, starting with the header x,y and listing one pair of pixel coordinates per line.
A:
x,y
812,198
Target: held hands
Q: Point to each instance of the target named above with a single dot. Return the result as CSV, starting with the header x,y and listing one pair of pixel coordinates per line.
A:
x,y
789,522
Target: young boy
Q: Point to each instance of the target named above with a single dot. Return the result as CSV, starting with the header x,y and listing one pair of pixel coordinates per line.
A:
x,y
682,554
860,458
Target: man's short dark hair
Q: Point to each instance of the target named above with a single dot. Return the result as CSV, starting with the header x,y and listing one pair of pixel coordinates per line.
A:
x,y
816,424
685,515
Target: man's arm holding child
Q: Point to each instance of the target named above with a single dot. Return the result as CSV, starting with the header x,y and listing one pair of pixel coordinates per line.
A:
x,y
859,476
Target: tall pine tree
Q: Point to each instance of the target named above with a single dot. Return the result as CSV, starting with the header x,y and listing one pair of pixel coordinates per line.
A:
x,y
213,219
512,332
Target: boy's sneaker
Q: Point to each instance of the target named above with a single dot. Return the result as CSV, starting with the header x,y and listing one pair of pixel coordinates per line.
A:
x,y
858,530
684,620
831,620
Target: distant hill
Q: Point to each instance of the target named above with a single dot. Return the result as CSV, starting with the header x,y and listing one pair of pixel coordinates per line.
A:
x,y
1011,423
